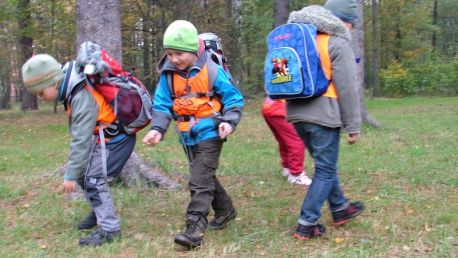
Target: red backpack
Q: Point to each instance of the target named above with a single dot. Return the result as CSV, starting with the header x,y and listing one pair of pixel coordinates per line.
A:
x,y
128,97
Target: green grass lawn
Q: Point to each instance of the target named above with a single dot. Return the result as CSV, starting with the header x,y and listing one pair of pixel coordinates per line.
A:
x,y
406,173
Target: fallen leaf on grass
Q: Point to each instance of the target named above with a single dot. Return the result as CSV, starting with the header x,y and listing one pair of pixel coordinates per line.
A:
x,y
339,240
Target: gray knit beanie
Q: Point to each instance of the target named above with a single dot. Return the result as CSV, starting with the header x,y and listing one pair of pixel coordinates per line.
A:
x,y
344,9
41,71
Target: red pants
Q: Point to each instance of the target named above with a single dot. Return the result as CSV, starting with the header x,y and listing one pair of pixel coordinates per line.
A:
x,y
291,147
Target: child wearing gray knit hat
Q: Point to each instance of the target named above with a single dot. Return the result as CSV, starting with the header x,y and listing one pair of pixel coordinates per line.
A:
x,y
319,121
344,9
40,72
42,75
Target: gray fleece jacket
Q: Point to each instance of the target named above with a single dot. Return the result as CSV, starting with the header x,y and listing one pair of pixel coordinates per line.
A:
x,y
83,117
342,112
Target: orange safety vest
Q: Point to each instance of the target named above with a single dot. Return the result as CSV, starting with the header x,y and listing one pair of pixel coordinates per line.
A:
x,y
106,115
193,99
322,42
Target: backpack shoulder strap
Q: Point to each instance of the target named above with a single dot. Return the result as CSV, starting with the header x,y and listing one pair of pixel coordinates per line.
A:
x,y
212,72
221,61
169,77
68,101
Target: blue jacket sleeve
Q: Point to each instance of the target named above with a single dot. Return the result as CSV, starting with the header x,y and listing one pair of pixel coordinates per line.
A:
x,y
231,98
162,106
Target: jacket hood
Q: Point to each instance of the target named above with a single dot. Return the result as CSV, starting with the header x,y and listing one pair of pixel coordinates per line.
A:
x,y
323,19
165,65
72,77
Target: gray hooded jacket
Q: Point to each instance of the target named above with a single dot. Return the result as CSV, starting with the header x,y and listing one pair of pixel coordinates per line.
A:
x,y
342,112
83,117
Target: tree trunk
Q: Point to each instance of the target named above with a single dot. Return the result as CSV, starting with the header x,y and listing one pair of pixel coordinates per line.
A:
x,y
106,30
281,12
53,49
29,101
5,88
358,48
147,28
6,77
99,21
137,171
232,45
375,52
433,40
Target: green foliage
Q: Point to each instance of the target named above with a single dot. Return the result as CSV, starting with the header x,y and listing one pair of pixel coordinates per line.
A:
x,y
396,80
430,77
54,28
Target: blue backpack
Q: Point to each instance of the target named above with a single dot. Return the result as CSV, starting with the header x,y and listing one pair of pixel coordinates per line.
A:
x,y
292,68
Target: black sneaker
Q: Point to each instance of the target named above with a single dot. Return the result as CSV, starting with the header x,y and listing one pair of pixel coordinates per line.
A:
x,y
219,222
307,232
99,237
196,226
89,222
343,216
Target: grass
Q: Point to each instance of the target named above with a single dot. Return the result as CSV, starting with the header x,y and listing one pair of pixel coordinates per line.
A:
x,y
406,173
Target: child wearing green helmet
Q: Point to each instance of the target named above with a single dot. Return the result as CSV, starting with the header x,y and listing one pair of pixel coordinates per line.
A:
x,y
207,107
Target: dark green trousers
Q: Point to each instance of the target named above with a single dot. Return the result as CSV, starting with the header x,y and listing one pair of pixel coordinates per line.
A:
x,y
205,188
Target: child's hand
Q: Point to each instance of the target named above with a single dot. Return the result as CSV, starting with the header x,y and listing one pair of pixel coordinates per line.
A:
x,y
352,138
224,129
69,186
152,138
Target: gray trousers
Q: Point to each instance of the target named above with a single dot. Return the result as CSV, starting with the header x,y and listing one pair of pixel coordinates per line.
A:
x,y
205,188
95,184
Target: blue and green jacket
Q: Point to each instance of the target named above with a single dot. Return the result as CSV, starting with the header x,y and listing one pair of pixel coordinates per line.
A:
x,y
205,128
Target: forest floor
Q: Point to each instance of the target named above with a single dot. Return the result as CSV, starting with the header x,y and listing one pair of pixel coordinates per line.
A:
x,y
406,173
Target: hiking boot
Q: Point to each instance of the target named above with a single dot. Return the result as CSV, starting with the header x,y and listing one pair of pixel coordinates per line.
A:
x,y
343,216
194,233
99,237
219,222
89,222
307,232
300,179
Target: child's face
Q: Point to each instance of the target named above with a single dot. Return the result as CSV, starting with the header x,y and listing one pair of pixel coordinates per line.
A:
x,y
50,93
181,59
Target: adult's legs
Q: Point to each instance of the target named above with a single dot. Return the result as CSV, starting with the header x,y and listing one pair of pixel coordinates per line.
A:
x,y
323,145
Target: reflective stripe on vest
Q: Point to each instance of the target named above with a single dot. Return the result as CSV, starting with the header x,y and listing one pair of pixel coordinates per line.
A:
x,y
322,43
192,99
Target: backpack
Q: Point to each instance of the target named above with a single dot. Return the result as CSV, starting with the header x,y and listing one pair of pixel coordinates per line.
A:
x,y
292,67
214,49
130,100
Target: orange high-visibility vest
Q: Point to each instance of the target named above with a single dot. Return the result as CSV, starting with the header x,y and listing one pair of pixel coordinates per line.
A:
x,y
106,114
322,43
193,99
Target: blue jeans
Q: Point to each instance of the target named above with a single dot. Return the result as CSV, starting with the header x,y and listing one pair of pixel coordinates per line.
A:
x,y
323,145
